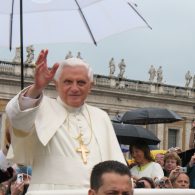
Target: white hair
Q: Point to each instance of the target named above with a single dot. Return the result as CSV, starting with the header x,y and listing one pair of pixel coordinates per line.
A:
x,y
73,62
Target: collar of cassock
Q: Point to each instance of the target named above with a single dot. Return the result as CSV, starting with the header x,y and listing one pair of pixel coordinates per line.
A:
x,y
71,109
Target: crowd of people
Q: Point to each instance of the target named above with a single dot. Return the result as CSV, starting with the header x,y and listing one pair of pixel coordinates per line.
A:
x,y
14,178
163,171
69,144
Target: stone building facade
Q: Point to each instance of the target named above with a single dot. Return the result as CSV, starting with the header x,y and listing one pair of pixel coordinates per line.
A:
x,y
115,96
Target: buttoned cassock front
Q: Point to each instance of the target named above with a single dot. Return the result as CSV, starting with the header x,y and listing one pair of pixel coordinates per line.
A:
x,y
40,138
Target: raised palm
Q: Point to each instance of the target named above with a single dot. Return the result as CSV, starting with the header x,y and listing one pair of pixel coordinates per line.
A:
x,y
43,75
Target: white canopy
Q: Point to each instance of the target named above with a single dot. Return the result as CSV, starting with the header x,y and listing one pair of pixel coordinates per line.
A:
x,y
57,21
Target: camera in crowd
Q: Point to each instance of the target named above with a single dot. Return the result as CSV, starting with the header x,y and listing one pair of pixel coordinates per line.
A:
x,y
19,178
159,182
183,169
139,184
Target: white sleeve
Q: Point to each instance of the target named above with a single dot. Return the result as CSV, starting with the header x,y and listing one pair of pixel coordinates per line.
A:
x,y
157,171
22,111
27,102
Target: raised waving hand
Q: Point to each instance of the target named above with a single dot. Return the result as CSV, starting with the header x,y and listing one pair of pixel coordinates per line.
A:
x,y
43,75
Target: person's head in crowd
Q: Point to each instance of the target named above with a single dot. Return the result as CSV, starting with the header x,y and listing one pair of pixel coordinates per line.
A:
x,y
145,182
171,161
140,151
176,149
73,80
180,180
159,158
163,182
110,177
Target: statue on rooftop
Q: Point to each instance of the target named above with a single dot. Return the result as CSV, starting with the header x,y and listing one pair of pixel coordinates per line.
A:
x,y
122,67
17,57
193,84
30,54
159,73
188,78
152,73
69,55
79,55
112,67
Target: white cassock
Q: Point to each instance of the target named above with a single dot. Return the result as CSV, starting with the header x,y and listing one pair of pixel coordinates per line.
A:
x,y
45,138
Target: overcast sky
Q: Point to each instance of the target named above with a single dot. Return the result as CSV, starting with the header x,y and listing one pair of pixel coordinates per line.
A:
x,y
170,44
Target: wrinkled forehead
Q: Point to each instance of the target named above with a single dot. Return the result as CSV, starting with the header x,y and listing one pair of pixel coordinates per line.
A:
x,y
116,181
183,176
79,72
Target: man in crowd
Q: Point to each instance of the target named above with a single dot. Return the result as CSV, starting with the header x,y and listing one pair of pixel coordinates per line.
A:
x,y
63,138
180,180
110,177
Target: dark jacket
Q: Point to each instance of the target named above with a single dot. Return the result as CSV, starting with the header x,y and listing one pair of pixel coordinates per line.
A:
x,y
5,175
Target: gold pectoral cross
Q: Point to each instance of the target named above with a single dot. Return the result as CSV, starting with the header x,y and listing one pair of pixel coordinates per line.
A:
x,y
82,148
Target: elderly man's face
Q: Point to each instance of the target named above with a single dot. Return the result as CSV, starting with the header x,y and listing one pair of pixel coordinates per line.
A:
x,y
182,181
113,183
73,85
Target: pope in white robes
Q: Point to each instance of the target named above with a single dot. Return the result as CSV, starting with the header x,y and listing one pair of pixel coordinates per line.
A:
x,y
63,138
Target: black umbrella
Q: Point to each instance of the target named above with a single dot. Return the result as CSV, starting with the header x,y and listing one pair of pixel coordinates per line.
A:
x,y
126,134
144,116
186,156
